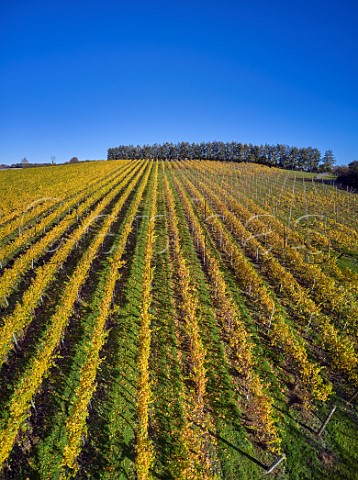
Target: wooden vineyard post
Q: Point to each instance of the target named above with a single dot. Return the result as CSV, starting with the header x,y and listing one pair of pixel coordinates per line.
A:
x,y
272,467
324,424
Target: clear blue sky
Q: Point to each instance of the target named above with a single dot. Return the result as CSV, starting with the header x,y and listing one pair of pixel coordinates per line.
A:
x,y
77,77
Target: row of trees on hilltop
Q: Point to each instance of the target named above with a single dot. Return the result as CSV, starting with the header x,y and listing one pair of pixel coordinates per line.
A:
x,y
282,156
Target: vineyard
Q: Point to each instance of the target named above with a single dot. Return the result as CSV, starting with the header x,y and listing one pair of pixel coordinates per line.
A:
x,y
179,320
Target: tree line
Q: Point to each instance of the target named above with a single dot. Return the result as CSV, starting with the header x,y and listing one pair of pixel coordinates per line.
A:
x,y
25,163
282,156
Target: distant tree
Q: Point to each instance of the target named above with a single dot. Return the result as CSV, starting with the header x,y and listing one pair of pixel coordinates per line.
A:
x,y
74,160
353,166
327,161
340,170
294,157
348,175
283,154
313,158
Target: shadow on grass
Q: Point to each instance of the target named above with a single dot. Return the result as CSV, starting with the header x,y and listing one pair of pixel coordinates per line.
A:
x,y
238,450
